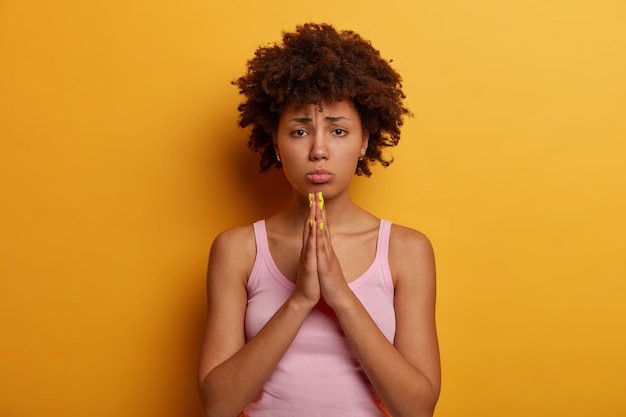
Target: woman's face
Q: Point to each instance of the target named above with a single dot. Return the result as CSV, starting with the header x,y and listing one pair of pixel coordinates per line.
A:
x,y
319,146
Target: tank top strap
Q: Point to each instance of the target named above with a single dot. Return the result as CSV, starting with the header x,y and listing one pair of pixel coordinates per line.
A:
x,y
260,236
382,255
262,250
382,245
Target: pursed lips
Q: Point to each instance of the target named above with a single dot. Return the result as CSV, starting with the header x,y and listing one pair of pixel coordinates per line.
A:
x,y
319,176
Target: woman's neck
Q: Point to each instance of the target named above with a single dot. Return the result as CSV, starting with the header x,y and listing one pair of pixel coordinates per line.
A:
x,y
341,212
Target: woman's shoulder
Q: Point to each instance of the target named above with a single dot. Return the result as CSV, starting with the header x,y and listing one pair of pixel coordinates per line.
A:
x,y
409,250
235,247
235,236
409,238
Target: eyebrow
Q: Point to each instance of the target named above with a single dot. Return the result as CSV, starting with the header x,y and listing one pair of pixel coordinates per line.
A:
x,y
327,118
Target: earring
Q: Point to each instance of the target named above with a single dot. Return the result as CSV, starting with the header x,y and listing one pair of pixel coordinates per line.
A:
x,y
277,155
362,155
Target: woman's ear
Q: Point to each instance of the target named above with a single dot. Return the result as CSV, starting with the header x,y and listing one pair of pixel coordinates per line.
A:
x,y
274,134
276,151
364,144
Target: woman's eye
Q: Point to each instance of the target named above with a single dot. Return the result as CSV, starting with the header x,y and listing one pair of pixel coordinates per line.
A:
x,y
298,133
340,132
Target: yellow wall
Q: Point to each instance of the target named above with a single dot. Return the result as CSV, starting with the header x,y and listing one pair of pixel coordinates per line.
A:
x,y
120,160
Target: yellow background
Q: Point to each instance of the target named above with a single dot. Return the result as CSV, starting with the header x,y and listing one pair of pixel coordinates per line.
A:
x,y
120,160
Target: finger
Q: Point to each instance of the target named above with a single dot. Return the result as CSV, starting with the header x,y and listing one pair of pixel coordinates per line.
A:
x,y
322,241
306,230
309,244
321,215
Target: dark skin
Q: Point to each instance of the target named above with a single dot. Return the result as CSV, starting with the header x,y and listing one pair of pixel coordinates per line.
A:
x,y
314,244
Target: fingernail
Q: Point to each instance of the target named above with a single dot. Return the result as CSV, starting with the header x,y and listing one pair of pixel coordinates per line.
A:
x,y
311,222
310,200
321,225
320,197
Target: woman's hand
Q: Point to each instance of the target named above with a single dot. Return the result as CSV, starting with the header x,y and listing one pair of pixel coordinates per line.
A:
x,y
307,281
333,285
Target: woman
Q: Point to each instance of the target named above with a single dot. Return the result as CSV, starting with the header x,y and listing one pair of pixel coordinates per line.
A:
x,y
322,309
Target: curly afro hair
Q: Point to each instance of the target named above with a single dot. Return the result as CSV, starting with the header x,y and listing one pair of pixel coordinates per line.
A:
x,y
318,63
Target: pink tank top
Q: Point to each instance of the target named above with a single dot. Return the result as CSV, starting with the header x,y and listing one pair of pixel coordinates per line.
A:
x,y
319,374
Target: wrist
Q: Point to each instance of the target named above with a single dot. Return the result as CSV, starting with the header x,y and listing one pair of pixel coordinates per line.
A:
x,y
300,304
343,301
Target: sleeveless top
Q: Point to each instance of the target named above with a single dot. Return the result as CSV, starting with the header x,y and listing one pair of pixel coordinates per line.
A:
x,y
319,375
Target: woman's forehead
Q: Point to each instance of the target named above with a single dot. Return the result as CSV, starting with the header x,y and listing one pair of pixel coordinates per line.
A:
x,y
339,108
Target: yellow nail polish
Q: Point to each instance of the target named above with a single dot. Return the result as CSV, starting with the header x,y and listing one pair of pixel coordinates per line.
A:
x,y
311,222
310,200
321,225
320,197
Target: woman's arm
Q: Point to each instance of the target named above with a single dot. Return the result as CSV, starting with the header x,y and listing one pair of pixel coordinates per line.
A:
x,y
232,372
406,375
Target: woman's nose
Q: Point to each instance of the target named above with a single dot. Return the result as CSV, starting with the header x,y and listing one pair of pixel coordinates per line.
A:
x,y
319,149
